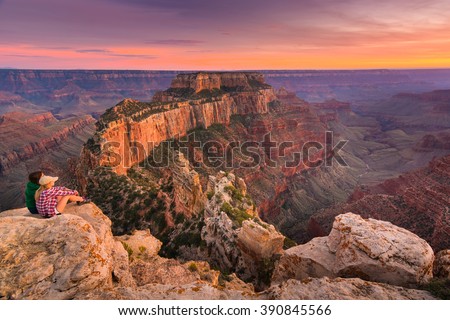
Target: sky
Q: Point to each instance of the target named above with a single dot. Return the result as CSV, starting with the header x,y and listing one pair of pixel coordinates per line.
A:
x,y
224,35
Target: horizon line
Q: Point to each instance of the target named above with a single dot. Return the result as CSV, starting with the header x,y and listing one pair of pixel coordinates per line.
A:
x,y
224,70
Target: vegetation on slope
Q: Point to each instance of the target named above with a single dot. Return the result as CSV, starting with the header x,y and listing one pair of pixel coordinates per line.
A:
x,y
132,202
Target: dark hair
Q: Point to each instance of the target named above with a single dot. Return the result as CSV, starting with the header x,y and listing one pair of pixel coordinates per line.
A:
x,y
35,176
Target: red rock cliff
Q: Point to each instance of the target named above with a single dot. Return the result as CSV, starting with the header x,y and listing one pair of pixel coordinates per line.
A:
x,y
417,201
197,100
23,136
209,81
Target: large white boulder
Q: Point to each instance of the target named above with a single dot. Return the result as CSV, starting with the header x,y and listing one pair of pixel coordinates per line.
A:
x,y
60,257
365,248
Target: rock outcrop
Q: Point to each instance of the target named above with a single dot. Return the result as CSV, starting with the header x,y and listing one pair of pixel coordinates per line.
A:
x,y
342,289
259,240
217,80
188,194
134,128
369,249
237,240
59,258
75,256
140,243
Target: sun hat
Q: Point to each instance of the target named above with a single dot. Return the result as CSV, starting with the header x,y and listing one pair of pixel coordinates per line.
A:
x,y
46,180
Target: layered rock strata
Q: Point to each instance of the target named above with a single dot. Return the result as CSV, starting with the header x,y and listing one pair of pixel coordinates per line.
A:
x,y
43,133
197,100
188,194
417,201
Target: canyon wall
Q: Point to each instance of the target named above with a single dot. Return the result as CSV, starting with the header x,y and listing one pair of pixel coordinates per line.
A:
x,y
25,136
76,92
417,201
149,124
218,80
249,111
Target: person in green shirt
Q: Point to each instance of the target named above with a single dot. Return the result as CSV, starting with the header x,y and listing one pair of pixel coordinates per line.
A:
x,y
32,187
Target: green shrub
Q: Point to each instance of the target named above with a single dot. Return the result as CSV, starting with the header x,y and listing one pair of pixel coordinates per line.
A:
x,y
142,249
227,208
288,243
440,288
167,187
223,278
218,197
237,195
229,188
128,249
236,215
220,128
200,225
265,269
240,216
160,220
193,267
180,218
188,238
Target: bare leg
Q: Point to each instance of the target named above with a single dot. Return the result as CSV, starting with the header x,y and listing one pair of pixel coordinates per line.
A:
x,y
62,201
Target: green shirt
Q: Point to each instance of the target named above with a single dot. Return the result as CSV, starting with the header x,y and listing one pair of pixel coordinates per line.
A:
x,y
29,194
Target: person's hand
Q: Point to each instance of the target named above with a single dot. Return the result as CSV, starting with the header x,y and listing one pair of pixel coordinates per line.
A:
x,y
76,193
79,199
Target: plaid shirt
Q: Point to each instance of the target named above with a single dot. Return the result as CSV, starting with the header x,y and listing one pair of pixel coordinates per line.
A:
x,y
47,202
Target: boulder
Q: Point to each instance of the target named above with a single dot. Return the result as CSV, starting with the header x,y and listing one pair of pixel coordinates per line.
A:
x,y
162,271
61,257
341,289
379,251
259,240
141,243
365,248
312,259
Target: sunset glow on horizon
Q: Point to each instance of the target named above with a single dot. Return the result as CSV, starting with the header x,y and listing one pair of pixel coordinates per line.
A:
x,y
225,35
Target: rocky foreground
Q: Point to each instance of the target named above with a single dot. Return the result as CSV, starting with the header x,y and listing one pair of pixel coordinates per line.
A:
x,y
75,256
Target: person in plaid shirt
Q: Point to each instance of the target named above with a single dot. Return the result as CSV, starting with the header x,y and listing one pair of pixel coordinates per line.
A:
x,y
51,200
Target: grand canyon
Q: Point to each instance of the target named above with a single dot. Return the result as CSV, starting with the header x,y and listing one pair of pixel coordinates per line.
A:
x,y
229,185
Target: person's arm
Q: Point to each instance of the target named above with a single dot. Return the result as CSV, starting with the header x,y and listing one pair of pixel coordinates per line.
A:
x,y
62,191
67,189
